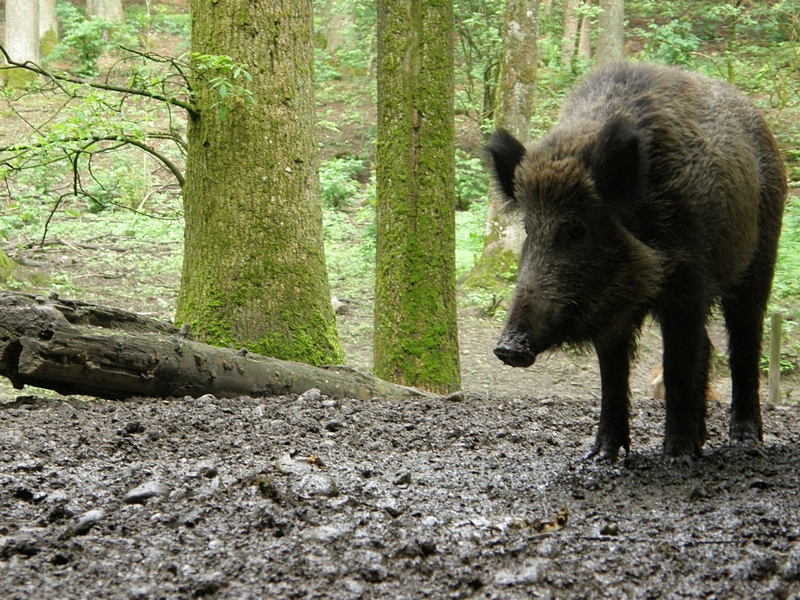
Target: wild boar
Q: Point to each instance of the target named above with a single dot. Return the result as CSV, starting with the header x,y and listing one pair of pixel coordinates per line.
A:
x,y
660,192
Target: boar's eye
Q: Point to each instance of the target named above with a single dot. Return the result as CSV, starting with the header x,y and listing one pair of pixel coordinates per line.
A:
x,y
576,232
570,233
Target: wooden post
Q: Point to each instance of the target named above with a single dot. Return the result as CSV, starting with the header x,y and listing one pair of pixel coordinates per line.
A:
x,y
775,335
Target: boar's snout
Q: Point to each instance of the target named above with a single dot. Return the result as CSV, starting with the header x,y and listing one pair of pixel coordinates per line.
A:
x,y
513,353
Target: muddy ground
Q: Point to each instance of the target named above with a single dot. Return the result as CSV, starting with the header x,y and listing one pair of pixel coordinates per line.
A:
x,y
316,497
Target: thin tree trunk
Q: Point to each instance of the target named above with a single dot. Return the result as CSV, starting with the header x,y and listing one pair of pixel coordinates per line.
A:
x,y
254,267
21,39
416,335
610,32
504,235
570,31
48,26
110,10
585,39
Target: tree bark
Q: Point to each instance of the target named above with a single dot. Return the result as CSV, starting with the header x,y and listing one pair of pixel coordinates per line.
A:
x,y
48,26
110,10
585,38
416,330
254,267
21,39
77,348
504,234
570,31
610,44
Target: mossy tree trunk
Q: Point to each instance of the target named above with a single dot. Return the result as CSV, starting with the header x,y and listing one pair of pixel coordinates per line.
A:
x,y
48,26
610,32
416,329
504,234
254,268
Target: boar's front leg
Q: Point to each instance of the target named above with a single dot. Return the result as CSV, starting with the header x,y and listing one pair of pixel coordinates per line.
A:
x,y
686,354
613,432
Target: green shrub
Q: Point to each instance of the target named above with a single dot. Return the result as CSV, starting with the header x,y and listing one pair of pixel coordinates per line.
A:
x,y
337,181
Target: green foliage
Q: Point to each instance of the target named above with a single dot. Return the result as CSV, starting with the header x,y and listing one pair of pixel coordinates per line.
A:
x,y
226,72
478,52
471,181
161,19
84,40
337,181
672,43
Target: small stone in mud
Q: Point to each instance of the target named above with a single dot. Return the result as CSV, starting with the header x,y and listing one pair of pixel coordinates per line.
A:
x,y
208,470
317,484
454,397
391,507
311,395
86,521
324,533
141,493
610,529
134,427
289,466
402,479
531,573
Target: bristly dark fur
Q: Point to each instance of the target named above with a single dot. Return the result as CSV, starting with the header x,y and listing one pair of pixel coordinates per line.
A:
x,y
660,192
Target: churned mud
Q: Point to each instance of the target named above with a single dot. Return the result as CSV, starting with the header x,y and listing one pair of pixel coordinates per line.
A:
x,y
316,497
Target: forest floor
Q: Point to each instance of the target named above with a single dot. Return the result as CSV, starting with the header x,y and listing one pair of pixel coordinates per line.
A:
x,y
316,497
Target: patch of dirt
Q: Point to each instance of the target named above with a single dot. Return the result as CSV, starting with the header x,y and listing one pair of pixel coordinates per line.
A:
x,y
299,497
317,497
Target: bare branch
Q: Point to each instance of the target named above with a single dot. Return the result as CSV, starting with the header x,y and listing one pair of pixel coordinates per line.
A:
x,y
55,77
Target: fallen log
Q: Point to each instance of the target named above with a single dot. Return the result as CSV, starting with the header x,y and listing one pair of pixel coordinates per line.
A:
x,y
78,348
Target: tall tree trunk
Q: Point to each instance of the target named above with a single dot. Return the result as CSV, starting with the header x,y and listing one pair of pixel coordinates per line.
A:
x,y
570,31
585,38
254,268
610,32
110,10
48,26
416,330
21,39
504,235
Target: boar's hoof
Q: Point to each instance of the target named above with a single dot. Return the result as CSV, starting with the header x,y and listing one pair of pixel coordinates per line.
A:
x,y
747,433
513,355
604,453
683,449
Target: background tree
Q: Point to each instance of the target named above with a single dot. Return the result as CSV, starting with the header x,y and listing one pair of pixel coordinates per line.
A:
x,y
254,267
610,32
478,53
416,333
570,31
585,37
110,10
21,38
48,26
504,234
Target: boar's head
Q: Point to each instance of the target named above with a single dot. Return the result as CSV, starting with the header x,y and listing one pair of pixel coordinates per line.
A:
x,y
584,275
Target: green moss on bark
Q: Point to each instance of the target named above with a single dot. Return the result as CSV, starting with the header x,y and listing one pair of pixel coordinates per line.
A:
x,y
254,268
416,331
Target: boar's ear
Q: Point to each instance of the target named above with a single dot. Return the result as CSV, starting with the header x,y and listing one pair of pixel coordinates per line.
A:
x,y
505,152
618,163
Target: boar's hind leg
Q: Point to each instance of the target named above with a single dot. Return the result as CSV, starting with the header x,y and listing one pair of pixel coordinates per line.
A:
x,y
744,311
686,351
613,432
